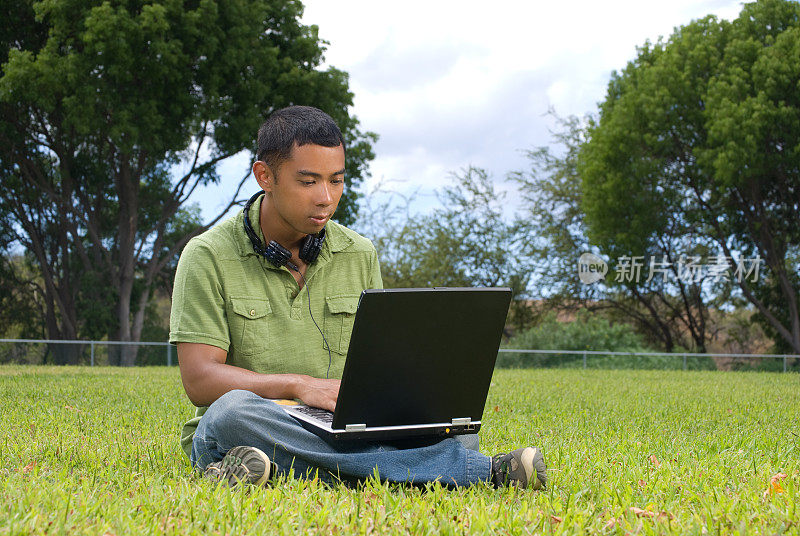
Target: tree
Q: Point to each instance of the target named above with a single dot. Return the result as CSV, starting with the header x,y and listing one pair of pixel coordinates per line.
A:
x,y
669,315
113,113
700,134
465,242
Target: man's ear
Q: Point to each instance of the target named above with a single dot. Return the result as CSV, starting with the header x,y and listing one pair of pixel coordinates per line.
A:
x,y
263,175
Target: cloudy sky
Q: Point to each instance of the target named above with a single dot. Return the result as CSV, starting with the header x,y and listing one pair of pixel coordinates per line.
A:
x,y
448,84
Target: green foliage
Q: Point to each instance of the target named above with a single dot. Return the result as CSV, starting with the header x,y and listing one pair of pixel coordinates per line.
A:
x,y
20,298
699,446
554,221
112,113
464,242
695,153
588,331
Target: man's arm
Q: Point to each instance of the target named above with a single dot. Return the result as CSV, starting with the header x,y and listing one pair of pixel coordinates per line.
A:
x,y
206,377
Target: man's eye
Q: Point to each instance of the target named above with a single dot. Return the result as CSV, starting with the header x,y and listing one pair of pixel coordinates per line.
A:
x,y
307,183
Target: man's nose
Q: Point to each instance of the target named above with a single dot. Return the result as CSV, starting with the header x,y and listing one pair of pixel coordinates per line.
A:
x,y
324,196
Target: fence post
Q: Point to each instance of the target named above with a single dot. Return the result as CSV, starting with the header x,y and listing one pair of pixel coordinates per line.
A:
x,y
684,362
169,355
584,359
784,363
91,345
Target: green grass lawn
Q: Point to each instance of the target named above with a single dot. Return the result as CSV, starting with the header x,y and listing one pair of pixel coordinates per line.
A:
x,y
96,450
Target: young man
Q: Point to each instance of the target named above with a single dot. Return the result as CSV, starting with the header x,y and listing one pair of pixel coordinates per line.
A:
x,y
246,327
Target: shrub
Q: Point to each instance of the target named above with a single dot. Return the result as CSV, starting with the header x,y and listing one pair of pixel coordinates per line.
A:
x,y
589,331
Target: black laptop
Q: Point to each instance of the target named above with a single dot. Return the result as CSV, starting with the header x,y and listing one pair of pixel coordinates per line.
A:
x,y
420,363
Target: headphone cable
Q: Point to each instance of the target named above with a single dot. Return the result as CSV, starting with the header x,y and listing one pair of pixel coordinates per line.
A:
x,y
292,266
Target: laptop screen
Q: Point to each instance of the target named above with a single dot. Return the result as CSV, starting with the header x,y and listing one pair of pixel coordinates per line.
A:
x,y
420,356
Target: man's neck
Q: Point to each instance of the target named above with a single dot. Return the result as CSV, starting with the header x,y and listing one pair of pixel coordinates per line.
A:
x,y
273,227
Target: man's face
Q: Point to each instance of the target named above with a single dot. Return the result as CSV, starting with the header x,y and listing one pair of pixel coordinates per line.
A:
x,y
308,187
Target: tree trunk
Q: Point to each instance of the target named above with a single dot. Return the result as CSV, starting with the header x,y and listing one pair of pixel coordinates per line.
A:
x,y
126,183
128,355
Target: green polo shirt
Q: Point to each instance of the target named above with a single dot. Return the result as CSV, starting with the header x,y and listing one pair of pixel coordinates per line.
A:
x,y
227,296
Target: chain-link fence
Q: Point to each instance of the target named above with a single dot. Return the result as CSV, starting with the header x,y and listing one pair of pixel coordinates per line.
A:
x,y
101,353
518,358
114,353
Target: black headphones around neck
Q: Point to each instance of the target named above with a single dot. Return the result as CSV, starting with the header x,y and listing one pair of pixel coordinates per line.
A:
x,y
276,253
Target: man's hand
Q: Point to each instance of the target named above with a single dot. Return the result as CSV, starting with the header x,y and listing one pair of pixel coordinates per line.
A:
x,y
319,393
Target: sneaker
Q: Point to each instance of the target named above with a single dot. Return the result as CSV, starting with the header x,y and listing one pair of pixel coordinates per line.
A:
x,y
241,464
522,468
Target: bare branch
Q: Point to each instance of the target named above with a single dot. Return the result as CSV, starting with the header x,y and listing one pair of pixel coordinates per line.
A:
x,y
182,242
182,196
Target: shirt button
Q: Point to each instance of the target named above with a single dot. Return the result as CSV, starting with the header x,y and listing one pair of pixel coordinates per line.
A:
x,y
252,312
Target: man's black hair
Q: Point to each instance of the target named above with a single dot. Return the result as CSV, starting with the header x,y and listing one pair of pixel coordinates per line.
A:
x,y
295,124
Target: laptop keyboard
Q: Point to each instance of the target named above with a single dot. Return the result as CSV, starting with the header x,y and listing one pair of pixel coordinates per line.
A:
x,y
321,414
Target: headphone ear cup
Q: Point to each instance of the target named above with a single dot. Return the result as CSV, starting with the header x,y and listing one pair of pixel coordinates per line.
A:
x,y
311,246
277,254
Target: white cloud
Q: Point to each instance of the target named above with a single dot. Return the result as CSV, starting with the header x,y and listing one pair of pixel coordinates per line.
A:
x,y
449,84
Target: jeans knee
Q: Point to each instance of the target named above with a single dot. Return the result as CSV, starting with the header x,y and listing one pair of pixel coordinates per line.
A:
x,y
226,410
234,398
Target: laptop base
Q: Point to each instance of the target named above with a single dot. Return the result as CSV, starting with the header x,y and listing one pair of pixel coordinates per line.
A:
x,y
440,430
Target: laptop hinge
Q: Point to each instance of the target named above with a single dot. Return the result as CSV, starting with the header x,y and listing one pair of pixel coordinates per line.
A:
x,y
461,421
355,427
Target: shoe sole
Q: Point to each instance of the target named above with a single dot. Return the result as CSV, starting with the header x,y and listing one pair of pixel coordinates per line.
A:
x,y
532,460
241,464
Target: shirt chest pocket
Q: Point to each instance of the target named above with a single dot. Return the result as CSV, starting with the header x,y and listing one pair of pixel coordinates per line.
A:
x,y
340,313
249,324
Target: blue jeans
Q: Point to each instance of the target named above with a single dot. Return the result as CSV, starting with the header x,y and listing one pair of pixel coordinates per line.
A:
x,y
244,418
